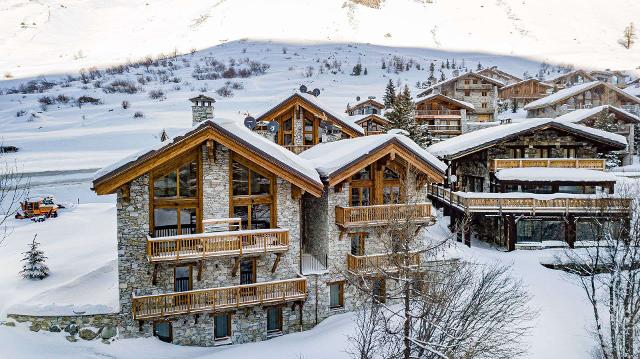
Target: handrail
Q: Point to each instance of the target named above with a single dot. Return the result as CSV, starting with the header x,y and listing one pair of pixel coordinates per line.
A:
x,y
216,244
438,112
368,263
216,299
584,163
382,214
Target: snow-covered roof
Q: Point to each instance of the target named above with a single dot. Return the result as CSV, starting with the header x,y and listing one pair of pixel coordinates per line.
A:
x,y
318,105
546,174
372,101
231,129
567,74
633,89
572,91
456,78
499,72
331,157
465,104
477,140
357,118
582,114
525,81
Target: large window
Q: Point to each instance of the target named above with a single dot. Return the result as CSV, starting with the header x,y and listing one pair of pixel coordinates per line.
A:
x,y
391,192
182,281
357,243
361,187
538,230
336,295
175,192
163,331
252,197
222,326
274,320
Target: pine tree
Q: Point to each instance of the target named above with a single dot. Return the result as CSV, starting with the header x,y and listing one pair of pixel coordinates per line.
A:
x,y
514,106
365,71
389,95
607,122
432,68
448,65
479,67
163,135
402,116
357,69
442,76
384,65
34,266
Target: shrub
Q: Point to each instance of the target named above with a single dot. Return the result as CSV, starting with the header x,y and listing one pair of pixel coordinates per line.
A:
x,y
230,73
21,113
121,86
156,94
224,91
125,104
87,99
46,100
138,114
63,98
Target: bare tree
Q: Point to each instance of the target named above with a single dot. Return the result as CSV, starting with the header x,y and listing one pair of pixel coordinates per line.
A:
x,y
14,186
609,273
433,307
628,36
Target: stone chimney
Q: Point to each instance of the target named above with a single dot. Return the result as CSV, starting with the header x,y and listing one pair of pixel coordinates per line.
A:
x,y
202,109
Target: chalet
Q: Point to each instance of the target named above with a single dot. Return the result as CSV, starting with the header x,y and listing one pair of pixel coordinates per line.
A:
x,y
585,95
225,236
479,90
633,88
528,184
569,79
623,121
366,107
372,124
444,116
497,74
303,121
615,78
523,92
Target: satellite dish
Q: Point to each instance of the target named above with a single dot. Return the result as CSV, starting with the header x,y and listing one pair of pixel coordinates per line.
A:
x,y
303,88
273,126
371,97
316,92
357,98
250,122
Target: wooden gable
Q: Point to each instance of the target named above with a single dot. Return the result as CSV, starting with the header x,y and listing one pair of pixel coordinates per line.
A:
x,y
368,102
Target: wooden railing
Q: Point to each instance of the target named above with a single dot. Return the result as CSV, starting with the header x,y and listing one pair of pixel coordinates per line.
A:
x,y
456,113
217,244
370,133
222,224
379,262
382,214
297,149
218,299
475,87
499,203
585,163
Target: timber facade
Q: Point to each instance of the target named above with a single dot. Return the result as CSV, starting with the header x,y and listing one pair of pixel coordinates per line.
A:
x,y
226,237
523,92
445,117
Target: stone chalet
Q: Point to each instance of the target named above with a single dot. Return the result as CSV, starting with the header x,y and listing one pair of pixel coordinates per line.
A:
x,y
524,92
535,183
225,236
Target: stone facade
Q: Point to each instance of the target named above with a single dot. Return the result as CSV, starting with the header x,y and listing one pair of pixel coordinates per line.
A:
x,y
482,94
201,113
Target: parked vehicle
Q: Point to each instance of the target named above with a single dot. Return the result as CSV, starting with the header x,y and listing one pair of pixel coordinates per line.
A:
x,y
38,206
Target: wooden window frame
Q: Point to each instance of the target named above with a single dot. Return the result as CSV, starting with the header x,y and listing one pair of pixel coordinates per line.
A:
x,y
377,183
281,131
315,123
361,237
175,268
254,265
340,284
156,322
249,200
279,320
229,332
177,203
467,93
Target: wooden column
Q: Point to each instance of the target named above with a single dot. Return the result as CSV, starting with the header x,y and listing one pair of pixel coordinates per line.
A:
x,y
570,230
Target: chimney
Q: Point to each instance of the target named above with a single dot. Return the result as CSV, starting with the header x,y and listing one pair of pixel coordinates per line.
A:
x,y
202,109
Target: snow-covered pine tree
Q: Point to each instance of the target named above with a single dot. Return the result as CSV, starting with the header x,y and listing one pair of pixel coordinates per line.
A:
x,y
365,71
442,76
163,135
34,266
402,116
479,67
448,65
389,95
607,122
357,69
384,65
514,106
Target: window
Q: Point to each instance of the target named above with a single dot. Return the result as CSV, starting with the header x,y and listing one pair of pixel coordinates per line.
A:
x,y
336,295
274,320
176,199
248,271
539,189
516,152
484,93
391,191
467,81
571,189
473,184
484,105
361,187
252,194
222,326
357,243
163,331
467,93
475,82
538,230
379,290
309,132
182,279
285,137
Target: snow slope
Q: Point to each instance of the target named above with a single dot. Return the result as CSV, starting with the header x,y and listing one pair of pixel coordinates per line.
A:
x,y
45,36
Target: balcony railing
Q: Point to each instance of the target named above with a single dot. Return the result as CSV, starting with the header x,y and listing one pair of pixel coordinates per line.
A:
x,y
382,214
379,262
217,244
370,133
218,299
297,149
452,113
475,87
584,163
507,202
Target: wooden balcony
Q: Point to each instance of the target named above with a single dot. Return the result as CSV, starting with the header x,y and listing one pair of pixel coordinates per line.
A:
x,y
297,149
217,244
382,214
584,163
439,113
371,133
504,203
218,299
378,262
474,87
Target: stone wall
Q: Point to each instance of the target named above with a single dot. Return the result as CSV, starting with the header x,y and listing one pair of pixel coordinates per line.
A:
x,y
88,327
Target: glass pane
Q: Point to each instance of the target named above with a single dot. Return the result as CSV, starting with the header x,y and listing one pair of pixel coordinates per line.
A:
x,y
260,216
355,196
246,272
188,220
334,295
242,212
287,125
240,179
308,125
552,231
586,230
163,331
165,222
274,316
183,274
527,230
221,325
189,180
389,174
288,140
260,184
391,195
308,139
365,197
165,186
364,174
570,189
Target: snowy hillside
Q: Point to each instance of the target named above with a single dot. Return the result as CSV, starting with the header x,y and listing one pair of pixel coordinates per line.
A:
x,y
45,36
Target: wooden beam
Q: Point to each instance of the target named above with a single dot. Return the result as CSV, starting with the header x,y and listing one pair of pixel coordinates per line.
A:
x,y
236,264
276,262
154,276
126,192
338,187
296,192
211,150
